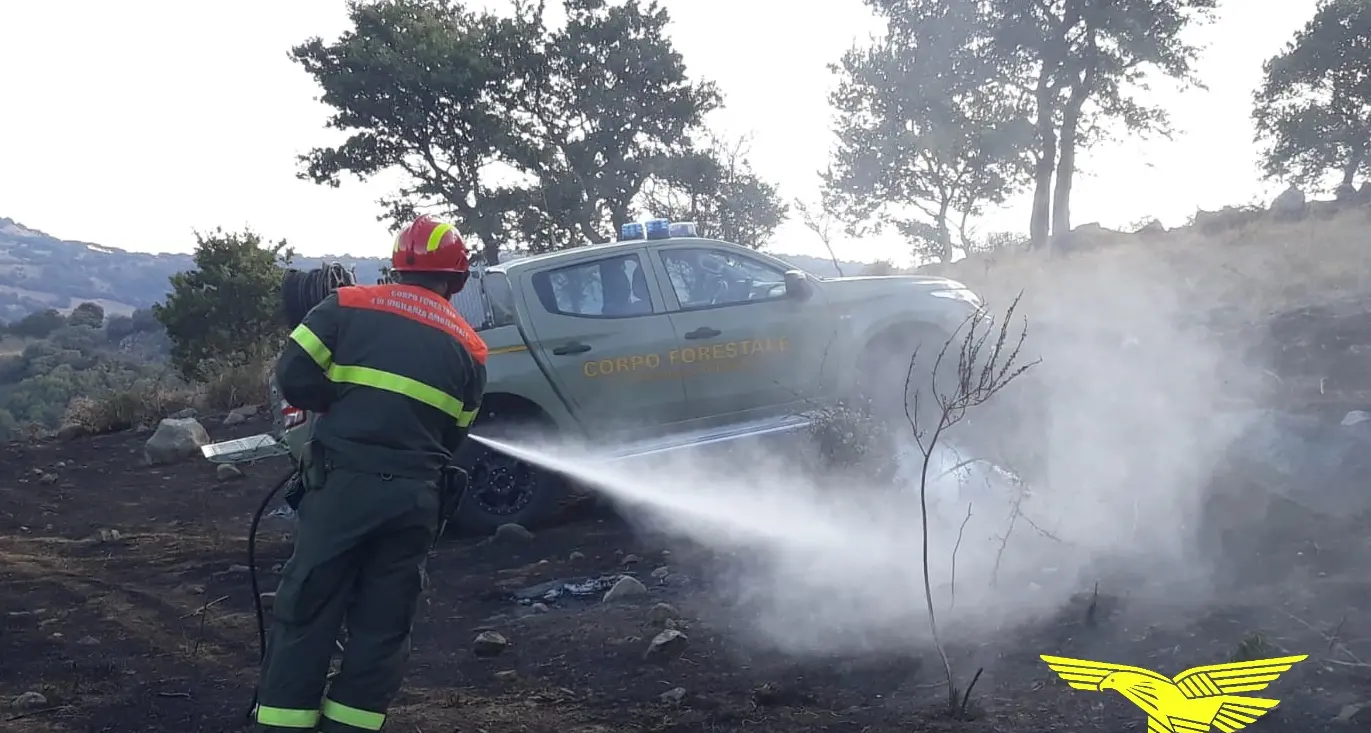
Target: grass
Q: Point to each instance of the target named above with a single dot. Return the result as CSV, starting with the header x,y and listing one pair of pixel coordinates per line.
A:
x,y
147,402
1276,299
1248,270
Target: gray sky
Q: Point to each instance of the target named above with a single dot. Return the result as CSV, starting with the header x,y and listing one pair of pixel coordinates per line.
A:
x,y
132,124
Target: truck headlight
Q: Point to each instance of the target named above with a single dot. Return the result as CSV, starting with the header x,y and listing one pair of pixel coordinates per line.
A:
x,y
963,294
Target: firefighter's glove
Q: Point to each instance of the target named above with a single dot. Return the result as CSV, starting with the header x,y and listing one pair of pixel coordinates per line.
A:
x,y
295,491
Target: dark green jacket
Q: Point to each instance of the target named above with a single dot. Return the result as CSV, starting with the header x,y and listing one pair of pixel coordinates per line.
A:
x,y
396,374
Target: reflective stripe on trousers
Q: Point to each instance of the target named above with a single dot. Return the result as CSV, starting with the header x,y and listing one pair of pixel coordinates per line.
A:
x,y
292,718
351,717
335,712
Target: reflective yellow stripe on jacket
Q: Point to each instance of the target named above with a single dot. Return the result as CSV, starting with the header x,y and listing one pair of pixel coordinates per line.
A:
x,y
313,345
377,379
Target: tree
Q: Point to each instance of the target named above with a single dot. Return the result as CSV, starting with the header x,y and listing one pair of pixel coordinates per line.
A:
x,y
82,338
717,189
1313,109
87,314
1078,62
117,327
226,311
145,320
506,125
430,89
614,107
926,137
39,324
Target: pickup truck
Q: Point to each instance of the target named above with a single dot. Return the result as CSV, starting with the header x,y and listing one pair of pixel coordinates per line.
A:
x,y
664,340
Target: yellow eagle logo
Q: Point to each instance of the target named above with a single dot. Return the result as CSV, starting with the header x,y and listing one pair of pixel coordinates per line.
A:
x,y
1193,701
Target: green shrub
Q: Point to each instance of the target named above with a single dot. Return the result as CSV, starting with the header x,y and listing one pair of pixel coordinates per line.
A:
x,y
142,403
229,385
225,309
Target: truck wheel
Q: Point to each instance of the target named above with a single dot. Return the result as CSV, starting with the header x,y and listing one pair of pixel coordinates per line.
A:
x,y
884,374
504,490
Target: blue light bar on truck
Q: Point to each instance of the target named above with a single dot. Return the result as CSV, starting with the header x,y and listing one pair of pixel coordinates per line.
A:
x,y
658,229
683,229
631,231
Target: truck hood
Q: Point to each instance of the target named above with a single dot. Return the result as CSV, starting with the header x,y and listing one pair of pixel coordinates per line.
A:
x,y
845,288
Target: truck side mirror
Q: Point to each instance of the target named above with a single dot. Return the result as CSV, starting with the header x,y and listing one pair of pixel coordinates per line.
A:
x,y
797,285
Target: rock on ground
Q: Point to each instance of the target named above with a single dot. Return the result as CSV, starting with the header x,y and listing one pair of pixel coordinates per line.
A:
x,y
666,646
512,533
627,587
29,701
176,439
662,613
72,431
241,415
489,644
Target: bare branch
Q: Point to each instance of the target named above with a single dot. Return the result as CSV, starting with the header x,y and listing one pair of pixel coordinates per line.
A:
x,y
984,367
952,582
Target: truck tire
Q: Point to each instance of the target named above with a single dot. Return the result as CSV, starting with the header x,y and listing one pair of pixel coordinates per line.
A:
x,y
504,490
884,373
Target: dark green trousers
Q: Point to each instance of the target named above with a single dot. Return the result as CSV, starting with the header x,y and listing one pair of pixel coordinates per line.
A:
x,y
360,547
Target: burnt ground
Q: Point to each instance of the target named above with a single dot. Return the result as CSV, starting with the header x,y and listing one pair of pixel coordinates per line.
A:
x,y
151,629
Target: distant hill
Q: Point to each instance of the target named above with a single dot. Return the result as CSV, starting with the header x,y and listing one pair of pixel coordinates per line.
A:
x,y
40,271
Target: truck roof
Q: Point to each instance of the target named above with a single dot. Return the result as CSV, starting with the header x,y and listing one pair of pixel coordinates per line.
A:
x,y
576,253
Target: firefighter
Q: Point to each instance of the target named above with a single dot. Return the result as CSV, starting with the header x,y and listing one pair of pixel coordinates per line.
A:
x,y
397,377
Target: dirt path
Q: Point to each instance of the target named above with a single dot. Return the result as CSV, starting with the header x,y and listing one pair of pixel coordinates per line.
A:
x,y
151,629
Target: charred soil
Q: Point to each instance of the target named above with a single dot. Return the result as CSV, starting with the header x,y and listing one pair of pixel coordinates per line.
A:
x,y
125,605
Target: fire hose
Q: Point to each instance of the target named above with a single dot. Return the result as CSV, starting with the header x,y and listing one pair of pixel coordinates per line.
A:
x,y
301,290
294,473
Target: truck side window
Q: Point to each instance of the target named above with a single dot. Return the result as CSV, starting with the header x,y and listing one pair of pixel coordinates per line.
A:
x,y
614,287
500,298
705,277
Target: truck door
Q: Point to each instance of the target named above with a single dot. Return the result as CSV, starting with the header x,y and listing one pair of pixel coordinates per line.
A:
x,y
743,344
600,328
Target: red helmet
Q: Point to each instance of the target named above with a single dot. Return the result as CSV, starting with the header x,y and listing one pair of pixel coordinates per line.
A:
x,y
429,245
